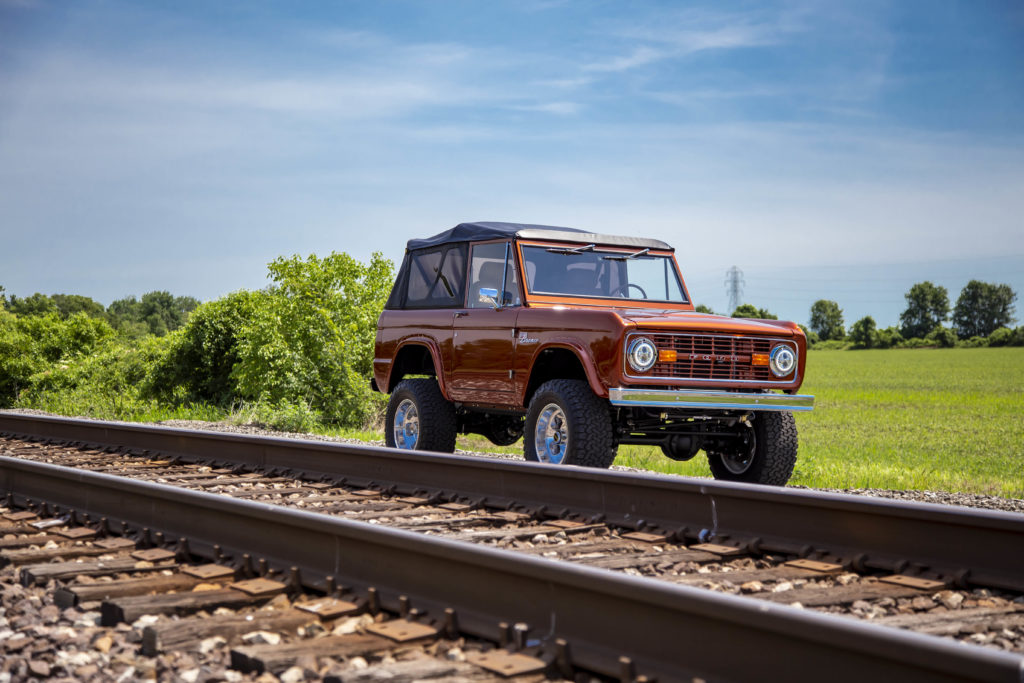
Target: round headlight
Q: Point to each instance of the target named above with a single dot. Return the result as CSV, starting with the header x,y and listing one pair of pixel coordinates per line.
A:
x,y
642,354
782,361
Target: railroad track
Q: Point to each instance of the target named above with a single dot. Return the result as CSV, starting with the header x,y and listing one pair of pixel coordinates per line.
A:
x,y
878,560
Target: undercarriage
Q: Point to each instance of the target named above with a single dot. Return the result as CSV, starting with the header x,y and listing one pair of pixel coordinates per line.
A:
x,y
682,433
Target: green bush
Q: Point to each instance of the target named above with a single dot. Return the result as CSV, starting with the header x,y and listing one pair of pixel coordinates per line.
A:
x,y
1001,337
974,342
312,342
887,338
31,345
916,343
943,337
812,336
298,353
832,345
202,355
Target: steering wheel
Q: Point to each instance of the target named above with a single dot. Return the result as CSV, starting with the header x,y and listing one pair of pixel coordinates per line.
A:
x,y
625,289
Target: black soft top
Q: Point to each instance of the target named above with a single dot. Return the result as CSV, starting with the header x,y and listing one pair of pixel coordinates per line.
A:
x,y
473,232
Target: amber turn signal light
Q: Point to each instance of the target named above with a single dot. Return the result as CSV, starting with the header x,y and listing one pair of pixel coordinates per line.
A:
x,y
759,359
667,356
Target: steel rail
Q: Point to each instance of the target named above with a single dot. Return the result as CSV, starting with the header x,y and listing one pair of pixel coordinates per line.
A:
x,y
667,631
976,547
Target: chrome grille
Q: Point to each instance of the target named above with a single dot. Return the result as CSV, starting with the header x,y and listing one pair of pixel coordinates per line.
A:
x,y
711,357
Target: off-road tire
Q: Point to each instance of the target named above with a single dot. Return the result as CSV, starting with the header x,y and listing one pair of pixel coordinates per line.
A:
x,y
437,423
774,452
589,423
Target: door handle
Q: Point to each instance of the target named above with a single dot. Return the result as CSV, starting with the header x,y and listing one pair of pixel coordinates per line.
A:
x,y
461,314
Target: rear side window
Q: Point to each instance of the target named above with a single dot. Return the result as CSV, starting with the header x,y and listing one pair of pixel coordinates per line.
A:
x,y
435,278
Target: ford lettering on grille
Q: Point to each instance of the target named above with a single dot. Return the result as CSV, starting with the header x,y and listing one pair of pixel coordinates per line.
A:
x,y
715,357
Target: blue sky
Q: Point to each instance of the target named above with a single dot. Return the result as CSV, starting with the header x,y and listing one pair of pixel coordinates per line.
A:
x,y
828,149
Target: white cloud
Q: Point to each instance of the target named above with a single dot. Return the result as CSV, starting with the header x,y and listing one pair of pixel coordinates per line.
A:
x,y
565,83
559,108
638,57
689,32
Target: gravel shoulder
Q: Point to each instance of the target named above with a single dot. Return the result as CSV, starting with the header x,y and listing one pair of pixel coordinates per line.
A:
x,y
971,500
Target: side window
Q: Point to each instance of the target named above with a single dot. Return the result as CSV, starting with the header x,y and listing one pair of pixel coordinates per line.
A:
x,y
486,268
450,285
398,289
435,278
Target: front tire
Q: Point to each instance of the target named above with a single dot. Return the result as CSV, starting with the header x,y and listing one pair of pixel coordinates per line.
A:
x,y
766,453
420,418
566,424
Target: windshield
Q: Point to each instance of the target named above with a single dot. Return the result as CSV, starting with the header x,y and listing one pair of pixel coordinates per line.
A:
x,y
589,271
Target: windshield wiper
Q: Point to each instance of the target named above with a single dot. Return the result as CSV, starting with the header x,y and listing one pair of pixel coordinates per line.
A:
x,y
569,251
625,258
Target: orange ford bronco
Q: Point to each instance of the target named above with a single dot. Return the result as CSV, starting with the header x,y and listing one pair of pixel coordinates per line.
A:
x,y
577,343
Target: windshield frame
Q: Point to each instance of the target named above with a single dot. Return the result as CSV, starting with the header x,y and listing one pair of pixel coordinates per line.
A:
x,y
600,301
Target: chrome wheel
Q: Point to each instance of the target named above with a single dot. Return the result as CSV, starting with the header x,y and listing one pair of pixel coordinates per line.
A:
x,y
551,438
407,425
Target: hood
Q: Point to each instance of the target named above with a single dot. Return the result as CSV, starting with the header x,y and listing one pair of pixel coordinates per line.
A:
x,y
687,321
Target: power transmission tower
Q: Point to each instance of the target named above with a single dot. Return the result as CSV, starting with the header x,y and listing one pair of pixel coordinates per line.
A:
x,y
734,287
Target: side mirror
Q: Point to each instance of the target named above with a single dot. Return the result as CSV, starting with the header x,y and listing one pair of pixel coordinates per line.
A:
x,y
489,294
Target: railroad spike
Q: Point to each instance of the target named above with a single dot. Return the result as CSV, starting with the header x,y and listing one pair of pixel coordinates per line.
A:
x,y
519,633
563,658
404,607
372,601
627,670
504,635
294,580
451,623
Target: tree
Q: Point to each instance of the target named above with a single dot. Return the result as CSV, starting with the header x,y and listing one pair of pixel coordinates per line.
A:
x,y
701,308
37,304
983,308
827,320
752,311
69,304
157,313
863,332
927,308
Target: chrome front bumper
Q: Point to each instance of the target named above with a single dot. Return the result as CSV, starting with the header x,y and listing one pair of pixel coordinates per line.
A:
x,y
700,398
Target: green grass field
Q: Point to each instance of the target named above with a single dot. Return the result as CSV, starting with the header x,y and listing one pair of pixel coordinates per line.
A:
x,y
937,419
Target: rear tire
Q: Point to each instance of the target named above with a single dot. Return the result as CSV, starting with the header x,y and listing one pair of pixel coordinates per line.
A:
x,y
768,456
566,424
420,418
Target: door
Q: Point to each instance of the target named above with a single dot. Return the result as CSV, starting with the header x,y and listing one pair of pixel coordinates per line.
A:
x,y
483,337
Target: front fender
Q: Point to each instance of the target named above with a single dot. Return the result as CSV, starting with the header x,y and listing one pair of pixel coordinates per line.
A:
x,y
582,353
